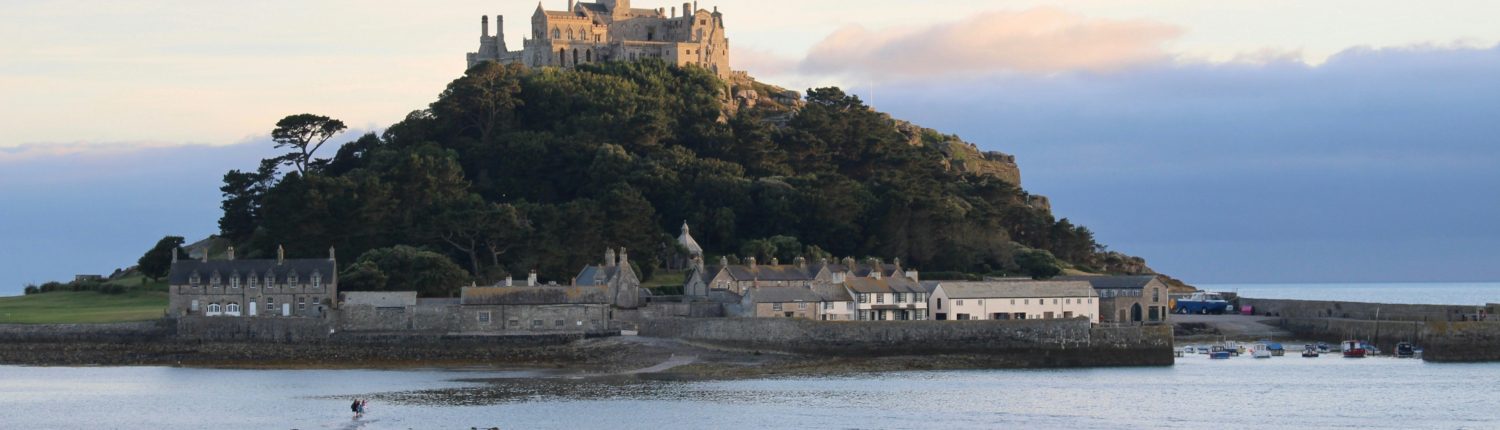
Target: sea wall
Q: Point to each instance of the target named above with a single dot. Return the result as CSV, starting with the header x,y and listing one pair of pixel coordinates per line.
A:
x,y
1462,341
1360,310
1383,334
1028,342
115,332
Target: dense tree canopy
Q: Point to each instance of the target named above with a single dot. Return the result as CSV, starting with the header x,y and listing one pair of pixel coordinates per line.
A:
x,y
514,169
156,263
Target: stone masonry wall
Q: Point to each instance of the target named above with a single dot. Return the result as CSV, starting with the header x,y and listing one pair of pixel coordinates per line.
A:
x,y
1357,310
1462,341
222,329
117,332
1043,342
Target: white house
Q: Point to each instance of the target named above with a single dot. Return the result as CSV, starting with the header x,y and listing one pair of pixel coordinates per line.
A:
x,y
879,298
1008,300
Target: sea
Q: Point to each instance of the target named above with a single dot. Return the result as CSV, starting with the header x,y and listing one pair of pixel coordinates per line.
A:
x,y
1194,393
1454,293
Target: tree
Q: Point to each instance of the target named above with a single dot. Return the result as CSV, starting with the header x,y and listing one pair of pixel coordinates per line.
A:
x,y
157,262
32,289
406,268
243,195
306,133
1038,264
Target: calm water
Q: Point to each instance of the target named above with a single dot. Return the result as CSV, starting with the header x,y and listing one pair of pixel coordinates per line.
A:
x,y
1477,293
1328,392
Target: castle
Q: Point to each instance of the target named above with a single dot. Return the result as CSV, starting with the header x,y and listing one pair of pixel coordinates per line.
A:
x,y
610,30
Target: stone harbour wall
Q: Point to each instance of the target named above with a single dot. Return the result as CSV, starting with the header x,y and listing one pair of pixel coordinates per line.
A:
x,y
1071,342
1462,341
115,332
1359,310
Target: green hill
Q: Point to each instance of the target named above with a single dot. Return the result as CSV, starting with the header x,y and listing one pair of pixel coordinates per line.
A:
x,y
514,169
59,307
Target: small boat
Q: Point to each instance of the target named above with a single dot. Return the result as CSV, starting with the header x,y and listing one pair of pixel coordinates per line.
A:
x,y
1260,350
1322,348
1310,351
1202,350
1276,349
1186,350
1218,353
1202,302
1407,350
1353,349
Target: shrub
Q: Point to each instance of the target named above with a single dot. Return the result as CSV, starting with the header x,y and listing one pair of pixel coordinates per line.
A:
x,y
32,289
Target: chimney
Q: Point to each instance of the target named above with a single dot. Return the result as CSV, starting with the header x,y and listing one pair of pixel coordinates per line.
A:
x,y
723,261
531,278
231,253
750,261
695,8
801,262
500,26
510,281
205,253
775,261
674,12
624,260
687,13
912,275
280,255
174,255
331,255
484,25
609,257
570,5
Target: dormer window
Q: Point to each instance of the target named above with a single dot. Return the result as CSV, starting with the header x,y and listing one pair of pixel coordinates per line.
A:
x,y
291,278
234,280
270,279
252,280
195,279
317,280
215,280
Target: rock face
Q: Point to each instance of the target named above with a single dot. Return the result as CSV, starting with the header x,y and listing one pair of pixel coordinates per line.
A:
x,y
964,156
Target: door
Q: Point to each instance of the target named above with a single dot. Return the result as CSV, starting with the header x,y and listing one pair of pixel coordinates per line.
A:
x,y
253,309
286,309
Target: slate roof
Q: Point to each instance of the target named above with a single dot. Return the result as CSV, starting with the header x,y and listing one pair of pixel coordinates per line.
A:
x,y
764,272
783,295
884,285
182,271
1131,282
542,295
688,243
1017,289
596,275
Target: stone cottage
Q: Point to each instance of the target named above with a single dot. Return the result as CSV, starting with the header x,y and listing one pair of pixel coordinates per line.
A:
x,y
1137,299
616,276
252,288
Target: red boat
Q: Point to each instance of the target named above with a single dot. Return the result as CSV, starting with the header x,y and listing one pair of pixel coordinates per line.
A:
x,y
1354,349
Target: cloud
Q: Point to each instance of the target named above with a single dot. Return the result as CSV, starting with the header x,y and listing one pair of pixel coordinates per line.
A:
x,y
1037,41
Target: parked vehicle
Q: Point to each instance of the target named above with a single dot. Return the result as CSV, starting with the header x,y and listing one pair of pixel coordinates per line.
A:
x,y
1310,351
1353,349
1202,303
1407,350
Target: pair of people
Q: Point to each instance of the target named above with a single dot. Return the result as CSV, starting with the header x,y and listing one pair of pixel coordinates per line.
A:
x,y
358,407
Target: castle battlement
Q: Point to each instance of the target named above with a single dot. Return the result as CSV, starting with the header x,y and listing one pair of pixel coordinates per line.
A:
x,y
610,30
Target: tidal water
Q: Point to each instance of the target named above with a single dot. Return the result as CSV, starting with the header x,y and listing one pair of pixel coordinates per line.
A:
x,y
1453,293
1196,393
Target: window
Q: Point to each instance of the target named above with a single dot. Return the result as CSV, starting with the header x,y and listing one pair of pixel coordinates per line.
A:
x,y
536,323
270,304
1067,301
558,323
214,280
848,306
291,278
194,279
1067,314
958,303
1025,301
880,298
864,298
776,306
1155,294
1012,301
981,302
234,281
1091,301
940,303
515,323
1047,315
963,317
484,317
270,279
1054,301
900,298
556,34
213,308
194,306
301,303
252,280
827,306
233,308
317,280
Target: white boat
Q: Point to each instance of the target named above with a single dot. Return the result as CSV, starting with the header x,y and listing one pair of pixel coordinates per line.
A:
x,y
1260,350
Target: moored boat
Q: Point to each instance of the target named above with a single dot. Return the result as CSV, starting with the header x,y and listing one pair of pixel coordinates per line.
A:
x,y
1310,351
1407,350
1260,350
1353,349
1322,348
1218,353
1276,349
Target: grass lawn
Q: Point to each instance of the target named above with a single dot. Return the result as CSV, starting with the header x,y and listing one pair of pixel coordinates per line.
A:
x,y
83,307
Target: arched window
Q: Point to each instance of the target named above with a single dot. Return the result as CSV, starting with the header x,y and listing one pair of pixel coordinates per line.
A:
x,y
570,34
233,308
588,56
562,57
556,34
575,57
213,308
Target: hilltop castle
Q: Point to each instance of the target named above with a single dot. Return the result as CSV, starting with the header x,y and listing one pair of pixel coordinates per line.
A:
x,y
610,30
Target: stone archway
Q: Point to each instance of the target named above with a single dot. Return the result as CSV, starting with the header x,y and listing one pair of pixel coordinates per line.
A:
x,y
1135,313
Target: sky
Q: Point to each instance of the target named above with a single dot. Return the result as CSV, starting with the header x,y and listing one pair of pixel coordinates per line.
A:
x,y
1226,142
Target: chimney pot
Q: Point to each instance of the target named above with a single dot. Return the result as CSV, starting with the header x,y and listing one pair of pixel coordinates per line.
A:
x,y
280,255
531,278
230,251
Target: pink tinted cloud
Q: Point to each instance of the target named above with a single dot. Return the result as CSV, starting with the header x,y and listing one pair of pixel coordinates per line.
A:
x,y
1040,40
